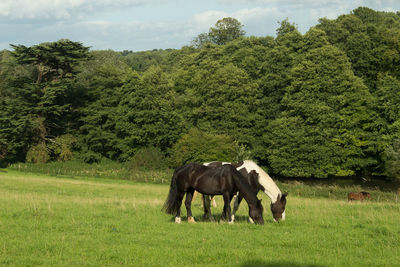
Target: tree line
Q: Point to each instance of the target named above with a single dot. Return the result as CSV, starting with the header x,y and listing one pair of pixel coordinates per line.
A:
x,y
324,103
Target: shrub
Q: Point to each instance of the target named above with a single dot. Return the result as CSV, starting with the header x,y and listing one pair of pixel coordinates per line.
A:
x,y
61,146
38,154
150,158
198,146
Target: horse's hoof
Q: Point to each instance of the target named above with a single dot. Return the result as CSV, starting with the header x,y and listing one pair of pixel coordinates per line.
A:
x,y
178,220
231,222
191,220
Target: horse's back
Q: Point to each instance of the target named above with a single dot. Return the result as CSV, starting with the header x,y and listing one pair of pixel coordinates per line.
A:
x,y
355,196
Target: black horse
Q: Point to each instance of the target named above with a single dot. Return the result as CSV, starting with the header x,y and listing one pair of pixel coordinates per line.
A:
x,y
224,180
259,180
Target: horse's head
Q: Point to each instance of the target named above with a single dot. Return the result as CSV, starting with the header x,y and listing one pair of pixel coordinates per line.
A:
x,y
256,212
278,208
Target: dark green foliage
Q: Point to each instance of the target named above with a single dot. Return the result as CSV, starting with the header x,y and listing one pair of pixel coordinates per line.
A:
x,y
149,158
392,160
147,116
101,81
316,105
370,39
325,107
141,61
199,146
224,100
37,103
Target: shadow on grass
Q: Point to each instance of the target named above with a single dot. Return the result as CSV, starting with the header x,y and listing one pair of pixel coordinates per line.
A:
x,y
217,218
261,263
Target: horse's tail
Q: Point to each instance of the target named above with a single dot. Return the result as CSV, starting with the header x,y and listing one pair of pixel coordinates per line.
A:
x,y
171,204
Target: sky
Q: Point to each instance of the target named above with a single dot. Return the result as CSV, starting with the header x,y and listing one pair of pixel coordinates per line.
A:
x,y
139,25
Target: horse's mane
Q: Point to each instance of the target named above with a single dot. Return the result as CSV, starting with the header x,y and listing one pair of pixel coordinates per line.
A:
x,y
270,188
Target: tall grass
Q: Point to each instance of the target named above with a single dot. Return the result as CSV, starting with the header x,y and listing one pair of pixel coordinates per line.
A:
x,y
129,171
336,192
49,221
104,169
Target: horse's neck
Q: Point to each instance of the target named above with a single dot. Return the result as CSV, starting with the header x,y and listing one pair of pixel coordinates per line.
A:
x,y
245,189
270,188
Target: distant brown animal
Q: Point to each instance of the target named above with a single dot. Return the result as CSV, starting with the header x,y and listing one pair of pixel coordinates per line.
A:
x,y
366,195
358,196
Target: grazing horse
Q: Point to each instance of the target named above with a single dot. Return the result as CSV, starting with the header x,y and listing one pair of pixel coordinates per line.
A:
x,y
224,180
259,181
358,196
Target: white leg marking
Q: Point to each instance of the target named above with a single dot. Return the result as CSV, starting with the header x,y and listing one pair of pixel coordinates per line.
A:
x,y
233,218
214,204
251,220
178,220
191,220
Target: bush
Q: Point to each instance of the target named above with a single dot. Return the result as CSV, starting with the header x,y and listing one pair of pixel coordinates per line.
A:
x,y
38,154
61,147
90,157
149,158
198,146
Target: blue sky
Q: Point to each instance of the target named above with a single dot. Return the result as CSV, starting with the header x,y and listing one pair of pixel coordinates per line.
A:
x,y
140,25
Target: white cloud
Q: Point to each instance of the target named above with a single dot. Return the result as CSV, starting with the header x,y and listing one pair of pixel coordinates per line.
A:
x,y
208,18
58,9
146,24
244,15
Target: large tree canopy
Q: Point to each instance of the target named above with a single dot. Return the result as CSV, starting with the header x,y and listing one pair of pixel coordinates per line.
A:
x,y
324,103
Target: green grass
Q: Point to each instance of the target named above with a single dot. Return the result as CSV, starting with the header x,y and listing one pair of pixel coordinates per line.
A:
x,y
53,221
104,169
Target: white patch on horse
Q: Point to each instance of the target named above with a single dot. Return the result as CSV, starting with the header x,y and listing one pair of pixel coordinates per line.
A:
x,y
283,215
222,163
270,188
178,220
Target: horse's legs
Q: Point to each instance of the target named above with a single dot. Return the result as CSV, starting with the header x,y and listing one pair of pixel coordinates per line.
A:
x,y
226,214
178,213
212,200
236,203
188,204
207,208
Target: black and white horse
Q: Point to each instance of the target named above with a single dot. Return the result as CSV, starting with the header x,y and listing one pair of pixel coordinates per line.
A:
x,y
259,181
224,180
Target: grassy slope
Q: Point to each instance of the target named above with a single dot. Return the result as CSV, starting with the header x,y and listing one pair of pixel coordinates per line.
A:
x,y
74,222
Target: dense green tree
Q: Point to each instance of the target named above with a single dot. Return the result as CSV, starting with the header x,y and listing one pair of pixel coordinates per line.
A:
x,y
323,128
38,105
102,79
224,31
200,146
224,100
324,103
388,94
147,116
370,39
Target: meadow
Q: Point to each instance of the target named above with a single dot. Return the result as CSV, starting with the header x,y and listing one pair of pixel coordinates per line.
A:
x,y
68,221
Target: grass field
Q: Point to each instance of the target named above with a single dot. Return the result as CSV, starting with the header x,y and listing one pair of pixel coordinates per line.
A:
x,y
54,221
